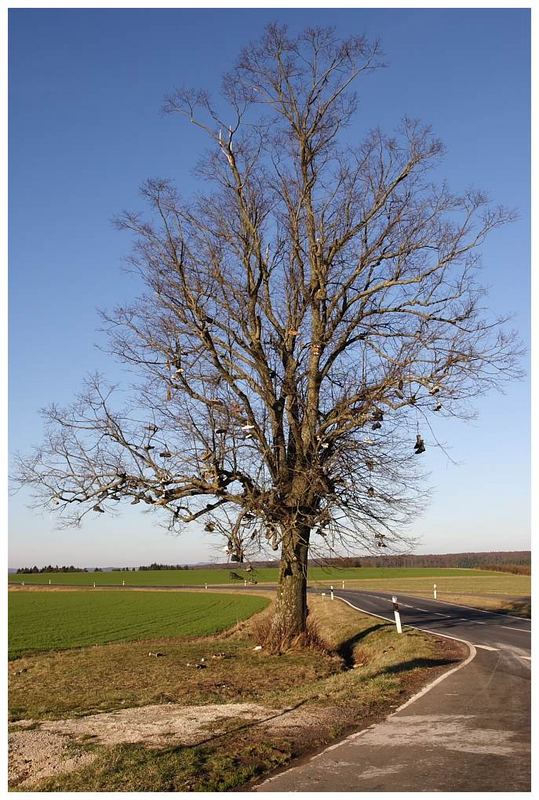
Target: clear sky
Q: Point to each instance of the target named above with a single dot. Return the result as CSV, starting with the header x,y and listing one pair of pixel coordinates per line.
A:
x,y
85,129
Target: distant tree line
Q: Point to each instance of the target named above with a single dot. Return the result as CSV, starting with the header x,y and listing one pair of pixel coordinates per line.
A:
x,y
49,568
164,566
515,561
507,561
36,570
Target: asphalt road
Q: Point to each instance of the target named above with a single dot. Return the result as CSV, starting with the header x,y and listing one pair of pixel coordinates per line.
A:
x,y
482,628
470,731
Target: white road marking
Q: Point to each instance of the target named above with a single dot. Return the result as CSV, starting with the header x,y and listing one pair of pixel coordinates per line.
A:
x,y
482,610
449,603
508,628
471,645
479,622
435,633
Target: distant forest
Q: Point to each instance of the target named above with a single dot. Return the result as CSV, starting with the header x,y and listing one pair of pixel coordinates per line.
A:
x,y
515,561
39,570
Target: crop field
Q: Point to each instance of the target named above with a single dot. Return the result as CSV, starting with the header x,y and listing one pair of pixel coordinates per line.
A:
x,y
49,620
469,582
198,577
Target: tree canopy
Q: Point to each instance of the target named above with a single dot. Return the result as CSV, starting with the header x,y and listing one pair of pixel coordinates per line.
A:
x,y
306,315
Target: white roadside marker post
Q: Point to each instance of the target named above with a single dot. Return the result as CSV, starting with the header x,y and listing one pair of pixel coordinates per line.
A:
x,y
94,584
205,585
434,591
123,583
331,587
397,615
343,584
50,581
23,583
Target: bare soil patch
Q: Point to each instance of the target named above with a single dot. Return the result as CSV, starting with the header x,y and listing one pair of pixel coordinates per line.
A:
x,y
39,750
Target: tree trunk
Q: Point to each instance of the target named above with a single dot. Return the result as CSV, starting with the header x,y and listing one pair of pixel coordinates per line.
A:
x,y
291,617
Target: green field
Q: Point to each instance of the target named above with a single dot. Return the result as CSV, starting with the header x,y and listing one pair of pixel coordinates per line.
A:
x,y
194,577
60,620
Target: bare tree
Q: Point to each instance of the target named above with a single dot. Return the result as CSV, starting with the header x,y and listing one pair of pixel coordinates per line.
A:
x,y
304,318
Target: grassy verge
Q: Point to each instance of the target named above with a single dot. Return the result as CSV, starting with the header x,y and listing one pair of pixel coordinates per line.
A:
x,y
105,678
367,671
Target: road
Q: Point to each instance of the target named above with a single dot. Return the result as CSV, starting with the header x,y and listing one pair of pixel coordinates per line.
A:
x,y
470,731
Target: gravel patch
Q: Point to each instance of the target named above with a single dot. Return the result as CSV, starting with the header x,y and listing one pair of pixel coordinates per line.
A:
x,y
37,754
158,725
41,749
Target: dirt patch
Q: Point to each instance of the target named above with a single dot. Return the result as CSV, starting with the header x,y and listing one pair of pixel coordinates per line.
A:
x,y
37,754
40,750
157,726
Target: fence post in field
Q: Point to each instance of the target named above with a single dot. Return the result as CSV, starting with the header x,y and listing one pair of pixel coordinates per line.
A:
x,y
397,614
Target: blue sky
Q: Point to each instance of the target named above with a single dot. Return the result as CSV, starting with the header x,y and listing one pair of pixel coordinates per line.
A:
x,y
85,129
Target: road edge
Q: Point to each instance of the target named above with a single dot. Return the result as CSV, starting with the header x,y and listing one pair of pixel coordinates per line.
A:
x,y
472,654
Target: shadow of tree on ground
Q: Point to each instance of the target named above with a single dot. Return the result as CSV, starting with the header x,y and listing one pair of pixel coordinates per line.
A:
x,y
346,649
417,663
520,607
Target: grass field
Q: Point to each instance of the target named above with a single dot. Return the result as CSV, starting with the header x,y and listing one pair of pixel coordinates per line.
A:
x,y
193,577
48,620
467,583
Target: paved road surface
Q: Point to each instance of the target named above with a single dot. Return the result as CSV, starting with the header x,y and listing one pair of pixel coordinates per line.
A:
x,y
469,732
